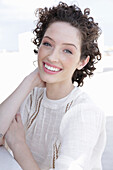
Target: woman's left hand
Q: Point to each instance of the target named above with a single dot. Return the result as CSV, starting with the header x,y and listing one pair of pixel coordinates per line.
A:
x,y
15,138
15,134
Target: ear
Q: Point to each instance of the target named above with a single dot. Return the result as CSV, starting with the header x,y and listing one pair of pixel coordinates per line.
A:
x,y
83,63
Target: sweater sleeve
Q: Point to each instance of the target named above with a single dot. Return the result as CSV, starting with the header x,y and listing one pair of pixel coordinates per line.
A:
x,y
80,130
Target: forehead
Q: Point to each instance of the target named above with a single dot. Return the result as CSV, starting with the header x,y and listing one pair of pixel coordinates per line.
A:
x,y
63,31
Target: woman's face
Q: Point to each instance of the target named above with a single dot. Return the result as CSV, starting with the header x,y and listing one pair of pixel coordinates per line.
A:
x,y
59,53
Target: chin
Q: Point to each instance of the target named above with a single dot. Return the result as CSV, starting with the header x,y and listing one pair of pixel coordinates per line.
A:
x,y
47,78
44,78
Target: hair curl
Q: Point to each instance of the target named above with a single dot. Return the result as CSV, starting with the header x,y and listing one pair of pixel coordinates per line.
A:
x,y
86,25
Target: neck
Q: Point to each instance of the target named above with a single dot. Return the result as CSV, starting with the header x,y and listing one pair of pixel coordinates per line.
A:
x,y
56,91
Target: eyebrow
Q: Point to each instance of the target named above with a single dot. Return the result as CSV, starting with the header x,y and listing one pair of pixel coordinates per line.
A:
x,y
49,38
70,44
63,43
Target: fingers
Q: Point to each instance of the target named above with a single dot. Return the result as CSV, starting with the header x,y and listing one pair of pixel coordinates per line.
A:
x,y
18,118
2,141
13,121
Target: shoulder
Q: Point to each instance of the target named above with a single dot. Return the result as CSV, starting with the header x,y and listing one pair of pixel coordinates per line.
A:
x,y
84,112
35,94
84,124
30,100
83,105
29,104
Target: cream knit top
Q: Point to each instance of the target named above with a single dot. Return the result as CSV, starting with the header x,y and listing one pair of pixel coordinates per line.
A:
x,y
65,134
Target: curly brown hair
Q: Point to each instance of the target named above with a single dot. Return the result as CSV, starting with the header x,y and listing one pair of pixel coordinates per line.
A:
x,y
90,32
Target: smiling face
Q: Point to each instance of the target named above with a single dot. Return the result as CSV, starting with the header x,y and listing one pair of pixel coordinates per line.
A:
x,y
59,53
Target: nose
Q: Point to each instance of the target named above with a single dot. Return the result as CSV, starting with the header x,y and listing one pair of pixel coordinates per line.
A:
x,y
54,55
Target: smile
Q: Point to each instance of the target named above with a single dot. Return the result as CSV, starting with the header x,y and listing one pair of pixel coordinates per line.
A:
x,y
51,69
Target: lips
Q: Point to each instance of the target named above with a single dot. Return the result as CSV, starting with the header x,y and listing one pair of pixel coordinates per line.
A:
x,y
51,69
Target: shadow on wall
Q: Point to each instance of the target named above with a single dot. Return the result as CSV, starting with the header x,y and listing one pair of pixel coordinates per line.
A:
x,y
107,159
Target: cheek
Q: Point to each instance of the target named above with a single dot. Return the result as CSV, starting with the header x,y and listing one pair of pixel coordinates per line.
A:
x,y
40,53
69,62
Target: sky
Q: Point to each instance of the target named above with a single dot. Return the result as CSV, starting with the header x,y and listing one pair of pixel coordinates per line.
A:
x,y
18,16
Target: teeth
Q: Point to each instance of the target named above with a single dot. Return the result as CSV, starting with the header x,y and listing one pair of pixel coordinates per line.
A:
x,y
51,68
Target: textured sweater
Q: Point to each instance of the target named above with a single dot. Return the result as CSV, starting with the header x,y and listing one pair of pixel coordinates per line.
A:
x,y
65,134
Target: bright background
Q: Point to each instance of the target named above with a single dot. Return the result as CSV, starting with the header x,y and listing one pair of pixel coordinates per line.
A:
x,y
17,20
17,16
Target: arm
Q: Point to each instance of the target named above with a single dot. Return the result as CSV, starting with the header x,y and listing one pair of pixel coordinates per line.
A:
x,y
24,157
80,132
10,106
15,138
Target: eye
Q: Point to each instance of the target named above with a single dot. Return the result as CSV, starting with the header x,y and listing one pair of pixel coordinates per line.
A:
x,y
67,51
47,44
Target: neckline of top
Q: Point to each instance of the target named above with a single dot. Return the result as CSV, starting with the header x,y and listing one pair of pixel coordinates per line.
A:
x,y
49,103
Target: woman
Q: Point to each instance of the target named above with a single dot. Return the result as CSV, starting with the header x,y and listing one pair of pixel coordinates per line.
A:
x,y
64,130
